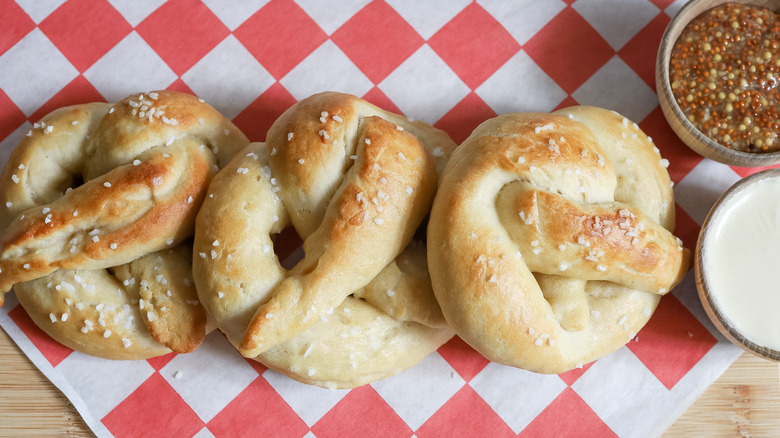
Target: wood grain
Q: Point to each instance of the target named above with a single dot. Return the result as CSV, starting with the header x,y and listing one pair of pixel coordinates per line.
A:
x,y
30,405
744,401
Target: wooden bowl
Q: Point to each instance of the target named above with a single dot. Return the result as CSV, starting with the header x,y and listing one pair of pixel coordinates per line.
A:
x,y
684,129
703,281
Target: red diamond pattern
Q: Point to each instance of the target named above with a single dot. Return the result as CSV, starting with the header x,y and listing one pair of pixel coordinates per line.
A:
x,y
568,415
747,171
465,415
260,368
672,342
100,27
569,50
686,229
377,28
474,45
15,24
76,92
380,99
256,118
464,117
571,376
51,350
364,403
160,361
640,52
294,36
467,362
662,4
153,410
170,30
11,117
257,411
565,103
180,86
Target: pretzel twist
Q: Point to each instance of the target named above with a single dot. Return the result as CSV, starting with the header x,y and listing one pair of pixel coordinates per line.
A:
x,y
100,186
549,241
355,182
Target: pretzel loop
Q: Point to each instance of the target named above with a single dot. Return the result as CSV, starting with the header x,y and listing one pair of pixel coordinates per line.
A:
x,y
549,239
100,186
355,182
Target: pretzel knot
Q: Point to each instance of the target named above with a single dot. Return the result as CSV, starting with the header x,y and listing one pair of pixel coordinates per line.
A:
x,y
97,199
355,182
549,241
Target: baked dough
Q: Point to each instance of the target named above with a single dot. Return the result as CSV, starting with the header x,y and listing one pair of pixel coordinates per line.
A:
x,y
355,182
549,242
98,204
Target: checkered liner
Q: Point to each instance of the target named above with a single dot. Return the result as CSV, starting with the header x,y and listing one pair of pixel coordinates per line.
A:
x,y
452,63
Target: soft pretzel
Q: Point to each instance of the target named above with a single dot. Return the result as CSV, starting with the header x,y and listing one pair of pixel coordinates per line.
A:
x,y
97,200
549,241
355,182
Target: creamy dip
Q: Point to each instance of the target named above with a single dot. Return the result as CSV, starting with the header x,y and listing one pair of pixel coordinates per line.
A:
x,y
742,261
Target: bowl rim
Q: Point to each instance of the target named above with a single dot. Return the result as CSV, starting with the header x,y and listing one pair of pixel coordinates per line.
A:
x,y
722,323
725,155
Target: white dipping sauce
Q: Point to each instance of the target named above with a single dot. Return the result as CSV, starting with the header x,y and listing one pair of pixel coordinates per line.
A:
x,y
742,261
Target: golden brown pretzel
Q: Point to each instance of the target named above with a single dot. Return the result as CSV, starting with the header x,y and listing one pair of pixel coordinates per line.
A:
x,y
549,241
355,182
145,164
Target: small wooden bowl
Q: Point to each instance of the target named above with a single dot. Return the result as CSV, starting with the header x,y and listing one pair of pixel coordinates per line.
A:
x,y
710,304
684,129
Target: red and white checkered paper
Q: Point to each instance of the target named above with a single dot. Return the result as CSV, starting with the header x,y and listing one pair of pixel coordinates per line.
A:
x,y
452,63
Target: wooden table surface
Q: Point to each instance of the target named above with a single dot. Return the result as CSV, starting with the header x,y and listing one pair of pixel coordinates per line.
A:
x,y
743,402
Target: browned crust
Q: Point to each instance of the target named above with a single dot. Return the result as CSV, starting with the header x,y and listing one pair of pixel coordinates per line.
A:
x,y
549,239
146,163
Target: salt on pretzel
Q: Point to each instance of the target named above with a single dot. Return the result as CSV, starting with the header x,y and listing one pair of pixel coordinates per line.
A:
x,y
355,182
97,199
549,242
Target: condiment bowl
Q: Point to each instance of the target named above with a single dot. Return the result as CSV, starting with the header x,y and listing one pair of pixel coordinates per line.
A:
x,y
712,292
684,129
